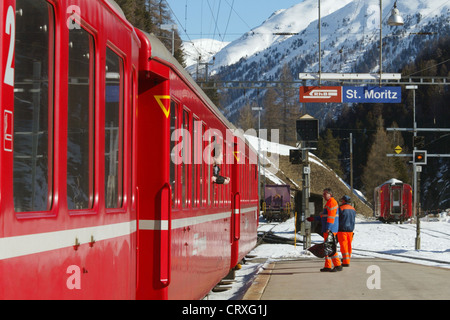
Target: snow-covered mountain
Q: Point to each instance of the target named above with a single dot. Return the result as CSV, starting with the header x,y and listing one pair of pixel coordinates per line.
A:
x,y
292,20
204,49
349,40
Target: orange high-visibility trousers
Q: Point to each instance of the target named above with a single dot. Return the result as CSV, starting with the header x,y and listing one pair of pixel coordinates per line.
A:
x,y
345,242
333,260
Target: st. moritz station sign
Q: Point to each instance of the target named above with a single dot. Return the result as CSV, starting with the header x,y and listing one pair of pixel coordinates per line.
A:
x,y
368,94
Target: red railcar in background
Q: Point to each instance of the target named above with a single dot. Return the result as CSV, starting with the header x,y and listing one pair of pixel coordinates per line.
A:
x,y
105,185
393,201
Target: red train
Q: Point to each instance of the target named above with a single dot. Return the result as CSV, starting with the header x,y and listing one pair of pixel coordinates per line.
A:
x,y
393,201
105,178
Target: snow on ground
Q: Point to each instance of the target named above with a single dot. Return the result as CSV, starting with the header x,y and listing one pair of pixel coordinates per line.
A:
x,y
388,241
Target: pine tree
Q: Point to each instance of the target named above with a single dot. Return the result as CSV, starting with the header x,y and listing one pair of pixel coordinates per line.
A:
x,y
289,106
379,167
213,94
160,14
400,163
328,149
282,109
271,118
137,14
246,118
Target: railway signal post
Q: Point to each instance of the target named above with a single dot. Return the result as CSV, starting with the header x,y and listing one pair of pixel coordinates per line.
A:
x,y
307,129
419,158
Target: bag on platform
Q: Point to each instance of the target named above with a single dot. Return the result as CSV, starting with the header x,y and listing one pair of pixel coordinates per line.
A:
x,y
325,249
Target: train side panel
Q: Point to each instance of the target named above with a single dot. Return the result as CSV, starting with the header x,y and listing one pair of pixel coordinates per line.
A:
x,y
201,229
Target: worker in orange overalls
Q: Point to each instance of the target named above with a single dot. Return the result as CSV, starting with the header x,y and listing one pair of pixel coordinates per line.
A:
x,y
330,223
347,216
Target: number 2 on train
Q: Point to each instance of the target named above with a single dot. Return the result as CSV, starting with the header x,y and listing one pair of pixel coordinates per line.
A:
x,y
10,29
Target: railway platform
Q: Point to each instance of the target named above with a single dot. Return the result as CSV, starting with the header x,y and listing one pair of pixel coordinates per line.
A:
x,y
365,279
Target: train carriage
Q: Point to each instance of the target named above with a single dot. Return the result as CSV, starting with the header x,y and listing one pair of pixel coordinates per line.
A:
x,y
206,227
67,202
393,201
93,201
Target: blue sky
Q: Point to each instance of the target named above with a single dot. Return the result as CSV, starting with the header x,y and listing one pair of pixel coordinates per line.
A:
x,y
224,20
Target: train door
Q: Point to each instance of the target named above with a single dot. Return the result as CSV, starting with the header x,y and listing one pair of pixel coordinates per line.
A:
x,y
396,201
155,185
7,52
407,202
235,203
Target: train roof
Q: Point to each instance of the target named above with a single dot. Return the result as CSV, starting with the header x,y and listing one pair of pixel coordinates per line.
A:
x,y
116,6
392,181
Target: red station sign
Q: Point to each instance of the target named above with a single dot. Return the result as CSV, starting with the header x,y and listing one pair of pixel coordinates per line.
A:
x,y
320,94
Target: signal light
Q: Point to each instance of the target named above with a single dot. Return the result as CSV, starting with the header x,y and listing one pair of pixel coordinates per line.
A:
x,y
295,156
420,157
307,128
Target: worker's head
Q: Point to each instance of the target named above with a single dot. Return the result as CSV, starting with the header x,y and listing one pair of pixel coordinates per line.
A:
x,y
346,199
327,194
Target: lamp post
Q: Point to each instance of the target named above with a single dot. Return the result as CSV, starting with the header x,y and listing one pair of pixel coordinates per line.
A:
x,y
416,214
394,20
320,49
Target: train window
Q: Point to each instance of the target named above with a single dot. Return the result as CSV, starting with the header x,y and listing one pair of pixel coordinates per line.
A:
x,y
208,168
80,123
396,201
173,167
202,168
185,164
249,174
113,130
196,168
33,106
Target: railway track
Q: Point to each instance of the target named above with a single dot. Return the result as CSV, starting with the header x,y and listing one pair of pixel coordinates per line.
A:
x,y
269,237
431,233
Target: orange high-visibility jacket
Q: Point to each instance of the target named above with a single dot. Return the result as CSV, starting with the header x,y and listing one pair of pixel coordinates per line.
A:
x,y
330,216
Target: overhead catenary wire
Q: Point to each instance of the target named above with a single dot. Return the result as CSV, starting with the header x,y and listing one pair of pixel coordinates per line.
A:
x,y
215,19
184,29
228,22
216,27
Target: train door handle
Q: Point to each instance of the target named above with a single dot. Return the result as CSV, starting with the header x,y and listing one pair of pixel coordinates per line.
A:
x,y
165,236
237,216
